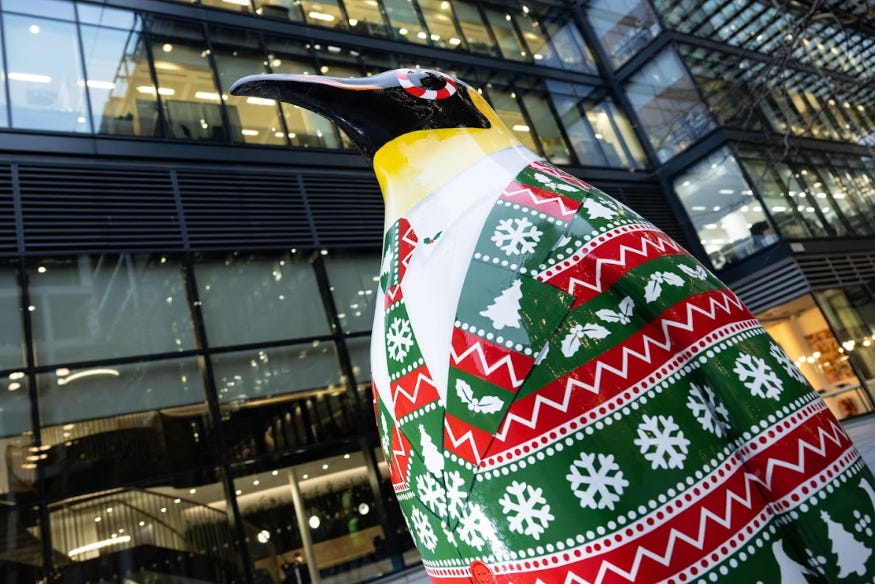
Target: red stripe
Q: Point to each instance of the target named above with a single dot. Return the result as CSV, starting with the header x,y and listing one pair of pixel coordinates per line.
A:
x,y
413,391
494,363
548,202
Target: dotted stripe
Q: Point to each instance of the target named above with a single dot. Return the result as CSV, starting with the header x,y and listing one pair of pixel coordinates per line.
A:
x,y
820,485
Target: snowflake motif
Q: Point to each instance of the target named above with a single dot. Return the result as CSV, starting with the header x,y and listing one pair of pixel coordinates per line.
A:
x,y
758,377
516,236
422,530
448,533
532,511
785,362
603,483
431,494
863,523
399,339
709,412
474,527
662,442
456,495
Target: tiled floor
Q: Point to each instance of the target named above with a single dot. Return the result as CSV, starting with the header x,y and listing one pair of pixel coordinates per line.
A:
x,y
861,430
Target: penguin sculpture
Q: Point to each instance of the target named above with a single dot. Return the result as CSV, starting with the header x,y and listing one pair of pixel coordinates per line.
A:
x,y
565,395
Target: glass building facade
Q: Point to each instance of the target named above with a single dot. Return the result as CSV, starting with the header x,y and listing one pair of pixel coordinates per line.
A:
x,y
187,277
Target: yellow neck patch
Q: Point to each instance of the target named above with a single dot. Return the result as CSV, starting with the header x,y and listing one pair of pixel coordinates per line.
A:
x,y
416,164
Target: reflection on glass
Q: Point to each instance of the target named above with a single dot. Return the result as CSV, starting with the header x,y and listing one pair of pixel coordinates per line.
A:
x,y
46,87
729,220
116,66
94,307
21,538
668,105
316,520
186,84
802,332
615,135
475,31
305,128
353,282
405,21
504,102
248,298
281,9
157,533
366,18
359,350
61,9
566,50
552,141
624,27
237,54
509,41
439,16
793,216
97,417
11,347
851,312
19,480
282,399
324,13
235,5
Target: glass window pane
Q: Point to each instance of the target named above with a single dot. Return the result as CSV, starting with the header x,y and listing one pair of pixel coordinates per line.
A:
x,y
730,222
851,312
19,481
366,18
475,31
790,212
503,101
353,281
321,517
235,5
280,9
324,13
803,333
405,21
153,533
306,129
668,105
283,398
118,71
186,84
439,17
624,27
45,74
106,17
566,44
21,542
250,375
99,417
615,135
254,120
94,307
11,342
359,350
509,41
552,141
248,298
61,9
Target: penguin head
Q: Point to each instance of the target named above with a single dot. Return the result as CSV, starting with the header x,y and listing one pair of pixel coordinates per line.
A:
x,y
374,111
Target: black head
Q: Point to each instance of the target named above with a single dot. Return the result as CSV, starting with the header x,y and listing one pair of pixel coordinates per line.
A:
x,y
374,110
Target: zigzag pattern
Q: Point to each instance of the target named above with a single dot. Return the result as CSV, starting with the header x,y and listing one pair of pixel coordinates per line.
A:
x,y
476,350
729,301
659,246
535,200
707,516
421,378
467,437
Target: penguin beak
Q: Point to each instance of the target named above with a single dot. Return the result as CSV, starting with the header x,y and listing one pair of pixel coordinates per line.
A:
x,y
354,104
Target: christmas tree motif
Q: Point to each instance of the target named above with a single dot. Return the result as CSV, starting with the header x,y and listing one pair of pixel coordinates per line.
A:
x,y
505,309
851,554
791,571
434,462
597,210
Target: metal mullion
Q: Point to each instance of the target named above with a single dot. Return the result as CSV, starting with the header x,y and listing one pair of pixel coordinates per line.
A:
x,y
753,22
6,69
418,10
619,135
214,408
163,123
279,106
832,202
223,110
84,71
496,52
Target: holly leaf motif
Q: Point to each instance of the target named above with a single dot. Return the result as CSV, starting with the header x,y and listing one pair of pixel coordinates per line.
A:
x,y
653,289
625,311
697,272
485,405
571,342
673,279
595,331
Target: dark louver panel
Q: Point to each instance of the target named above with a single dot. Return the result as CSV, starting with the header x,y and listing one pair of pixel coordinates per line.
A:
x,y
838,270
8,239
648,200
97,209
347,209
243,210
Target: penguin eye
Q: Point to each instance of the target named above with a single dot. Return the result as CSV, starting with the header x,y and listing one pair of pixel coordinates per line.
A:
x,y
426,84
